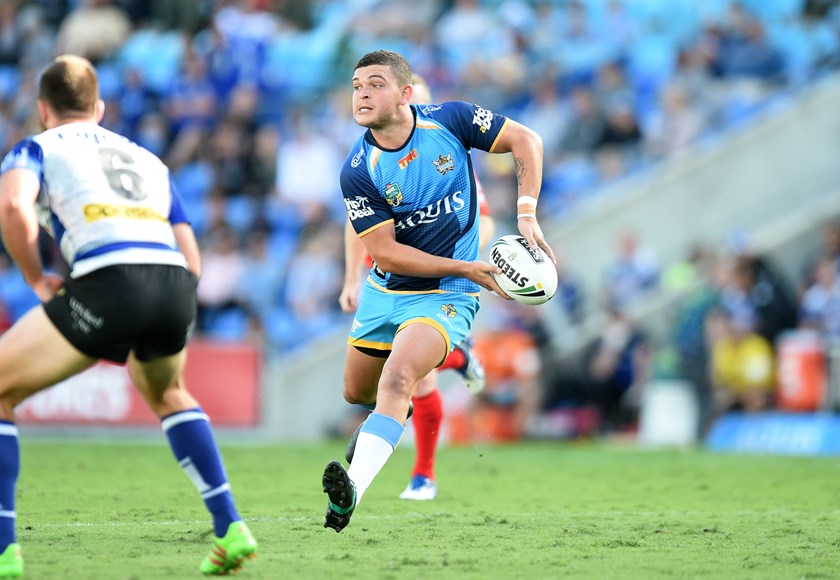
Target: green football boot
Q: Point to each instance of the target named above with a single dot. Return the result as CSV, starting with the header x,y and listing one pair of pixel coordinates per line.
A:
x,y
11,562
228,553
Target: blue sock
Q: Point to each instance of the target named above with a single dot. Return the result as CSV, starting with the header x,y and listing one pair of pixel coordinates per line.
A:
x,y
9,471
191,440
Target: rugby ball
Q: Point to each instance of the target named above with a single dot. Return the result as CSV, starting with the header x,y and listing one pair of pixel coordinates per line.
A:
x,y
528,274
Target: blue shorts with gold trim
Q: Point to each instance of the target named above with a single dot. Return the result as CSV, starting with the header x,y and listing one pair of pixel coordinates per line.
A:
x,y
383,313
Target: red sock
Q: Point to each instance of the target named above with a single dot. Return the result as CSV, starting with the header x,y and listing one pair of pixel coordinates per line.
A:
x,y
456,360
427,418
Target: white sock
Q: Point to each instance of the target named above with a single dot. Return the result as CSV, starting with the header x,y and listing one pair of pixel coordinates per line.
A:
x,y
370,456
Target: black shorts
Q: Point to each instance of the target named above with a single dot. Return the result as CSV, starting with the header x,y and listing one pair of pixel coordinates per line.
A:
x,y
147,308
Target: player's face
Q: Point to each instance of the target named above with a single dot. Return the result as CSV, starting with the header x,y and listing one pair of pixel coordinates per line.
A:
x,y
376,96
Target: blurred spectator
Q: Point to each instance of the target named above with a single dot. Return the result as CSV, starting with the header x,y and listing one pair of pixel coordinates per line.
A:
x,y
262,277
11,41
622,128
230,146
263,159
184,15
742,363
605,379
829,248
587,123
314,279
461,34
246,27
696,284
757,291
312,193
569,292
37,38
611,88
191,100
135,101
222,267
743,50
547,113
675,125
633,274
617,365
95,30
820,308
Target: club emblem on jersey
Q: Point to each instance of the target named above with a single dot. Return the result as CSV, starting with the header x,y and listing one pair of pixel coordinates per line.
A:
x,y
449,310
444,164
393,194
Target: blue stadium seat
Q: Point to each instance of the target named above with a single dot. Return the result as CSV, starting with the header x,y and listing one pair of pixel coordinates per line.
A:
x,y
9,81
230,324
157,55
240,212
194,181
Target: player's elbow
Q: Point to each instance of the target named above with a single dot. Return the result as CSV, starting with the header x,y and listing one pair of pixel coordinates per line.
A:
x,y
386,263
533,139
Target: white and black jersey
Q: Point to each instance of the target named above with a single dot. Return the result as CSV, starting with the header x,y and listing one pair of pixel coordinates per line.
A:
x,y
103,198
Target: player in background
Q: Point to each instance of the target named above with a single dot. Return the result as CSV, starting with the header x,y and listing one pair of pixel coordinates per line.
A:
x,y
427,401
129,297
410,195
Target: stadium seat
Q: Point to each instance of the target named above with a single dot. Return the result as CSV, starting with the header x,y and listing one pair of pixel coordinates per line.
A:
x,y
240,212
230,324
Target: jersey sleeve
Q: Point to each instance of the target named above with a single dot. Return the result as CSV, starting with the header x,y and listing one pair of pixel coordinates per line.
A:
x,y
26,154
475,126
366,207
177,213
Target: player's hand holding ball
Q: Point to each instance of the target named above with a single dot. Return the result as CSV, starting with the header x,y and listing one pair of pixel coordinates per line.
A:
x,y
528,274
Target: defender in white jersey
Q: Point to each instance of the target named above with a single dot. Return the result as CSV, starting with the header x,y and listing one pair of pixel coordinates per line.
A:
x,y
129,298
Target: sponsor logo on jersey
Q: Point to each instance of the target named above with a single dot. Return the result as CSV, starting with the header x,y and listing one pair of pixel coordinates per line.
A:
x,y
432,212
430,108
507,269
356,325
97,211
449,310
358,208
393,194
412,155
357,158
444,163
483,118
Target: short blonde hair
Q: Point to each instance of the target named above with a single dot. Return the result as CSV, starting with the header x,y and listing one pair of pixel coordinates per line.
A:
x,y
422,92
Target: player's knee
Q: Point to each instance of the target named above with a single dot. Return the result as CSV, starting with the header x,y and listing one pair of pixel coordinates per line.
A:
x,y
397,378
355,396
9,399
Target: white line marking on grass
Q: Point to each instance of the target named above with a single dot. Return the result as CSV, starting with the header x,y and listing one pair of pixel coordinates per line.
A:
x,y
417,515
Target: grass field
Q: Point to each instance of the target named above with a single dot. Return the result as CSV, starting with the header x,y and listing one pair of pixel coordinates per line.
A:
x,y
544,510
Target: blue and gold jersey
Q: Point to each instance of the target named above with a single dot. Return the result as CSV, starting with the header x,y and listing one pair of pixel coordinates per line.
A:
x,y
426,189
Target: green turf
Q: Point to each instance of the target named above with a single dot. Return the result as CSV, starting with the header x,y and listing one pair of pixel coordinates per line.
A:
x,y
527,511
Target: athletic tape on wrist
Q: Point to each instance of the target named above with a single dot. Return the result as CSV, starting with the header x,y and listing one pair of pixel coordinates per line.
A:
x,y
526,199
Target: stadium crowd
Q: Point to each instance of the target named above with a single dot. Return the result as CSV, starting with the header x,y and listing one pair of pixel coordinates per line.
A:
x,y
246,101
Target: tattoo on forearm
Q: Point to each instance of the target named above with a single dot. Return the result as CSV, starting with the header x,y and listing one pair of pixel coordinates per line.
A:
x,y
519,164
